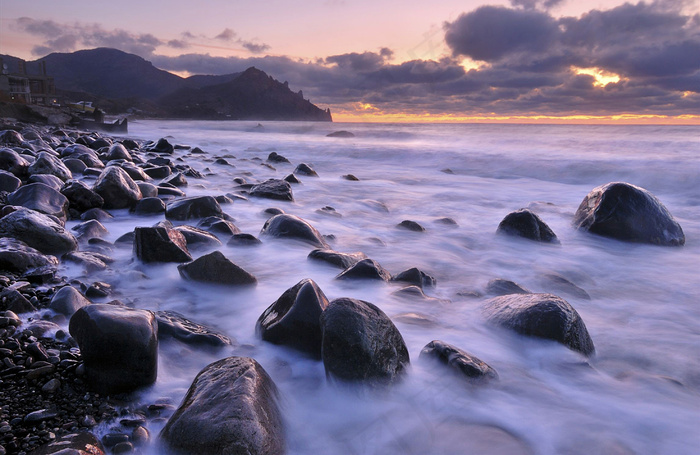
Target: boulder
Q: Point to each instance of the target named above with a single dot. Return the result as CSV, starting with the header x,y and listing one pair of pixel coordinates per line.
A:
x,y
75,165
291,178
72,444
46,163
500,286
230,408
135,172
8,181
219,226
197,238
305,169
149,206
67,301
158,172
48,180
416,277
38,231
96,214
274,157
541,315
365,269
162,146
410,225
11,137
463,363
91,262
17,257
147,189
13,163
89,229
341,133
80,197
340,260
293,319
118,190
360,343
243,239
159,244
119,346
11,300
215,268
42,198
193,207
627,212
174,325
526,224
177,179
293,227
273,189
118,152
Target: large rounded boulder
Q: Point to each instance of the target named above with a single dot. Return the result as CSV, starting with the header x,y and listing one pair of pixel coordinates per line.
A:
x,y
160,244
360,343
543,316
12,162
627,212
17,257
524,223
293,227
193,207
46,163
118,190
42,198
230,408
276,189
293,319
215,268
68,300
119,346
37,230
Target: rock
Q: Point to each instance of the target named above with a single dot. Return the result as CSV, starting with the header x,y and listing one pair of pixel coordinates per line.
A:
x,y
196,238
365,269
118,152
9,182
12,300
360,343
230,408
293,227
555,283
51,386
17,257
293,319
169,191
340,260
162,146
74,165
118,190
627,212
177,179
40,328
98,290
80,197
175,325
42,198
90,229
91,262
351,177
158,172
158,244
13,163
39,416
46,163
274,157
215,268
193,207
72,444
135,172
119,346
147,189
243,240
500,286
48,180
341,133
541,315
38,231
96,214
447,221
67,301
149,206
84,154
291,178
273,189
411,226
305,169
524,223
416,277
416,293
218,225
467,365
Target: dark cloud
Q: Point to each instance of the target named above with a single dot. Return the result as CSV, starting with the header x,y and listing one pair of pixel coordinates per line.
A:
x,y
226,35
178,44
366,61
255,48
536,4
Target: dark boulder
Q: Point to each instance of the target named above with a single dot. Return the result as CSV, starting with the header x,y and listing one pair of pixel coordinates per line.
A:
x,y
627,212
37,230
273,189
12,162
305,169
193,207
219,226
526,224
243,239
72,444
341,133
541,315
158,172
80,197
12,303
177,179
48,180
162,146
47,163
174,325
411,226
149,206
147,189
274,157
68,300
135,172
42,198
75,165
118,152
159,244
89,261
96,214
215,268
293,227
197,238
360,343
463,363
291,178
351,177
365,269
11,137
118,190
500,286
17,257
337,259
416,277
89,229
293,319
557,284
119,346
230,408
9,182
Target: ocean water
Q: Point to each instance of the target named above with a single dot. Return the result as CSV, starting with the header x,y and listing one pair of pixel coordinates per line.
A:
x,y
639,394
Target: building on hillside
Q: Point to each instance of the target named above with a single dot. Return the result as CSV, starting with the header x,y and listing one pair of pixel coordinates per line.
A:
x,y
22,87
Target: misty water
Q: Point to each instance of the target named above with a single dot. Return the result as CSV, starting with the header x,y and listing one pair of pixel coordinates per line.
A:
x,y
640,392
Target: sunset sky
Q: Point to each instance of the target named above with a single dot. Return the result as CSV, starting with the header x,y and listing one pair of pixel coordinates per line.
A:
x,y
384,60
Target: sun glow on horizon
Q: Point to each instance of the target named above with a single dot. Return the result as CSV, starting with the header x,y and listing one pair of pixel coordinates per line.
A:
x,y
601,76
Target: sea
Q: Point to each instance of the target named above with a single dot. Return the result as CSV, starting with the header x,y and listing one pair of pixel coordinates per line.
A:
x,y
639,393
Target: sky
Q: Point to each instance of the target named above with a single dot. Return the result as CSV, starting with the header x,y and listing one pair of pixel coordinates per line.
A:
x,y
387,60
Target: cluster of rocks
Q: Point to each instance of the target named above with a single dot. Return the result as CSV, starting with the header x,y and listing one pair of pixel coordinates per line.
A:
x,y
57,384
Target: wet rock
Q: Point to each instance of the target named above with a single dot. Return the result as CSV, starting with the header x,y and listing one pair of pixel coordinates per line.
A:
x,y
162,146
500,286
9,182
365,269
158,172
556,283
89,229
416,293
11,137
67,301
360,343
526,224
98,290
72,444
38,231
230,408
80,197
147,189
18,257
39,416
84,154
293,319
291,178
91,262
149,206
46,163
330,211
351,177
193,207
119,346
197,238
177,179
158,244
337,259
118,152
118,190
630,213
12,300
243,240
48,180
416,277
293,227
273,189
215,268
411,226
42,198
467,365
305,169
341,133
274,157
40,328
541,315
174,325
13,163
219,226
135,172
74,165
96,214
169,191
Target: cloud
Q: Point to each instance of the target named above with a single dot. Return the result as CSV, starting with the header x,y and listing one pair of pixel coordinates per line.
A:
x,y
363,62
226,35
255,48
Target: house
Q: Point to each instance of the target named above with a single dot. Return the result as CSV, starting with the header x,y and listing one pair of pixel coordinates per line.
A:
x,y
21,87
